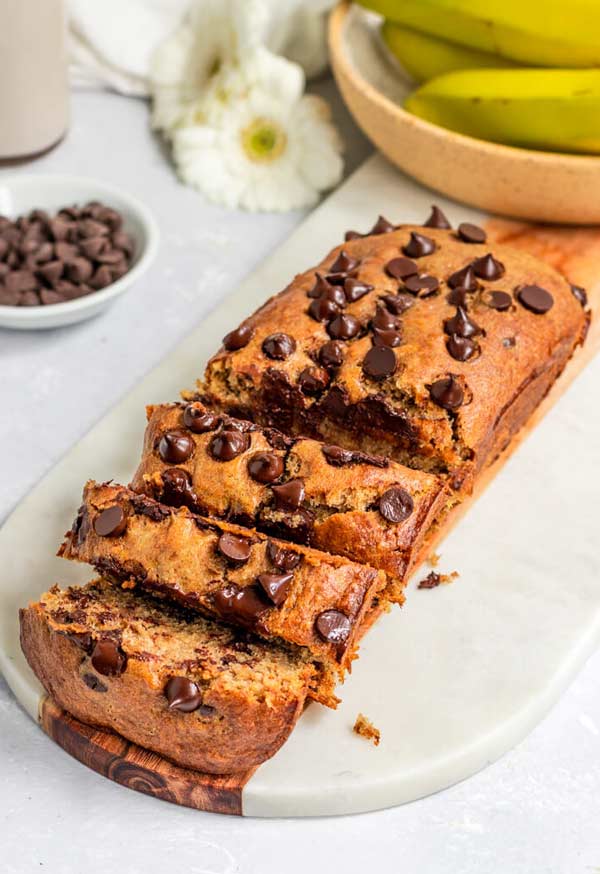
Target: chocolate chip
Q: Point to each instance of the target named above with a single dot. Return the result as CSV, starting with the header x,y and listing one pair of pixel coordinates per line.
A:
x,y
235,549
79,270
51,271
354,289
320,287
245,606
461,348
101,278
458,297
66,252
313,380
509,342
48,297
94,683
284,559
488,267
422,284
447,393
464,278
278,346
336,295
579,294
381,226
111,522
471,233
29,299
108,658
352,235
398,303
418,245
175,447
343,327
122,241
227,445
199,420
400,268
461,325
276,586
344,263
183,694
384,319
238,338
331,354
177,488
386,337
322,310
265,467
379,362
535,298
498,300
396,504
21,280
333,626
289,496
437,219
337,456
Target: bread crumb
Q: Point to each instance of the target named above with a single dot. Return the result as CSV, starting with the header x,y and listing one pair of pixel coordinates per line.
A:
x,y
433,580
365,728
434,559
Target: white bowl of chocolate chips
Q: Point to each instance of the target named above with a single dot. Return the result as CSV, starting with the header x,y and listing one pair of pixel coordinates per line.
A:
x,y
68,247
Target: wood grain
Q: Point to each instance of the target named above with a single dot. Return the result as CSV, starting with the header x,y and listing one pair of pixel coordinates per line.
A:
x,y
116,758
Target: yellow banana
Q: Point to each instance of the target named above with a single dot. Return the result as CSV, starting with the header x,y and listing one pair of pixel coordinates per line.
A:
x,y
424,56
547,33
556,110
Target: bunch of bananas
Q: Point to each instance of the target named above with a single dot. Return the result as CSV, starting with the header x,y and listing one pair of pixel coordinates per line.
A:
x,y
521,72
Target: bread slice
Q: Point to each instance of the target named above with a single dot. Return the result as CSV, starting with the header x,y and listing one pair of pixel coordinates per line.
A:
x,y
202,694
278,590
367,508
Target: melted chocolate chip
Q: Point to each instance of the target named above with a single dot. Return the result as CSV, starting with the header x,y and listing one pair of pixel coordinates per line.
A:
x,y
461,348
387,337
183,694
379,362
265,467
331,354
111,522
579,294
239,338
313,380
509,342
177,488
323,310
175,447
464,278
245,606
278,346
437,219
343,327
400,268
289,496
227,445
276,586
381,226
488,267
344,263
498,300
471,233
447,393
198,420
235,549
461,325
422,284
398,303
108,658
535,298
94,683
320,287
284,559
337,456
333,626
418,245
354,289
396,505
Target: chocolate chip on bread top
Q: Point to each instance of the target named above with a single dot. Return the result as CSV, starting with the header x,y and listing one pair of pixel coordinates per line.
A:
x,y
423,343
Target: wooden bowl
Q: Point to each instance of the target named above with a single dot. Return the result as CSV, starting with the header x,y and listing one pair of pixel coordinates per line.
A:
x,y
539,186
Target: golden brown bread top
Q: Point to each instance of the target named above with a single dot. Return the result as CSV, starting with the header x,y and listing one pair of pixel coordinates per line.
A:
x,y
437,411
202,694
278,590
366,508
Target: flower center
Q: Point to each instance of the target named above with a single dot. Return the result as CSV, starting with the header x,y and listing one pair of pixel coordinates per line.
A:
x,y
263,140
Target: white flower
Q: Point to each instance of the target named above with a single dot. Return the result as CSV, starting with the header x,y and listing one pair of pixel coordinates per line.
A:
x,y
261,151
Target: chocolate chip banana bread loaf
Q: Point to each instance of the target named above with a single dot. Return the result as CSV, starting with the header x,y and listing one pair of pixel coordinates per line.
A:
x,y
422,343
204,695
364,507
278,590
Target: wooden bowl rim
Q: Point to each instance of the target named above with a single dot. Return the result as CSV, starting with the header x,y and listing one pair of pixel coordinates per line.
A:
x,y
339,58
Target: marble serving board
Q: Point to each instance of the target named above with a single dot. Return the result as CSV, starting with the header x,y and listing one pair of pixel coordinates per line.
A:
x,y
464,671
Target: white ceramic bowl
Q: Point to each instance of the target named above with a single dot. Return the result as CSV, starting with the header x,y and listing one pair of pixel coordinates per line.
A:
x,y
20,194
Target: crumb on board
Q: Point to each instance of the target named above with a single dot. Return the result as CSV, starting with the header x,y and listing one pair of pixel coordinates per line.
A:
x,y
434,559
365,728
433,580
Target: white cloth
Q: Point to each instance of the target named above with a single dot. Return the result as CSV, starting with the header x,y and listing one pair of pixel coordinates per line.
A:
x,y
112,42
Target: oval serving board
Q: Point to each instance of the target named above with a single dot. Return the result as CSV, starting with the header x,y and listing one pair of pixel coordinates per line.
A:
x,y
462,672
